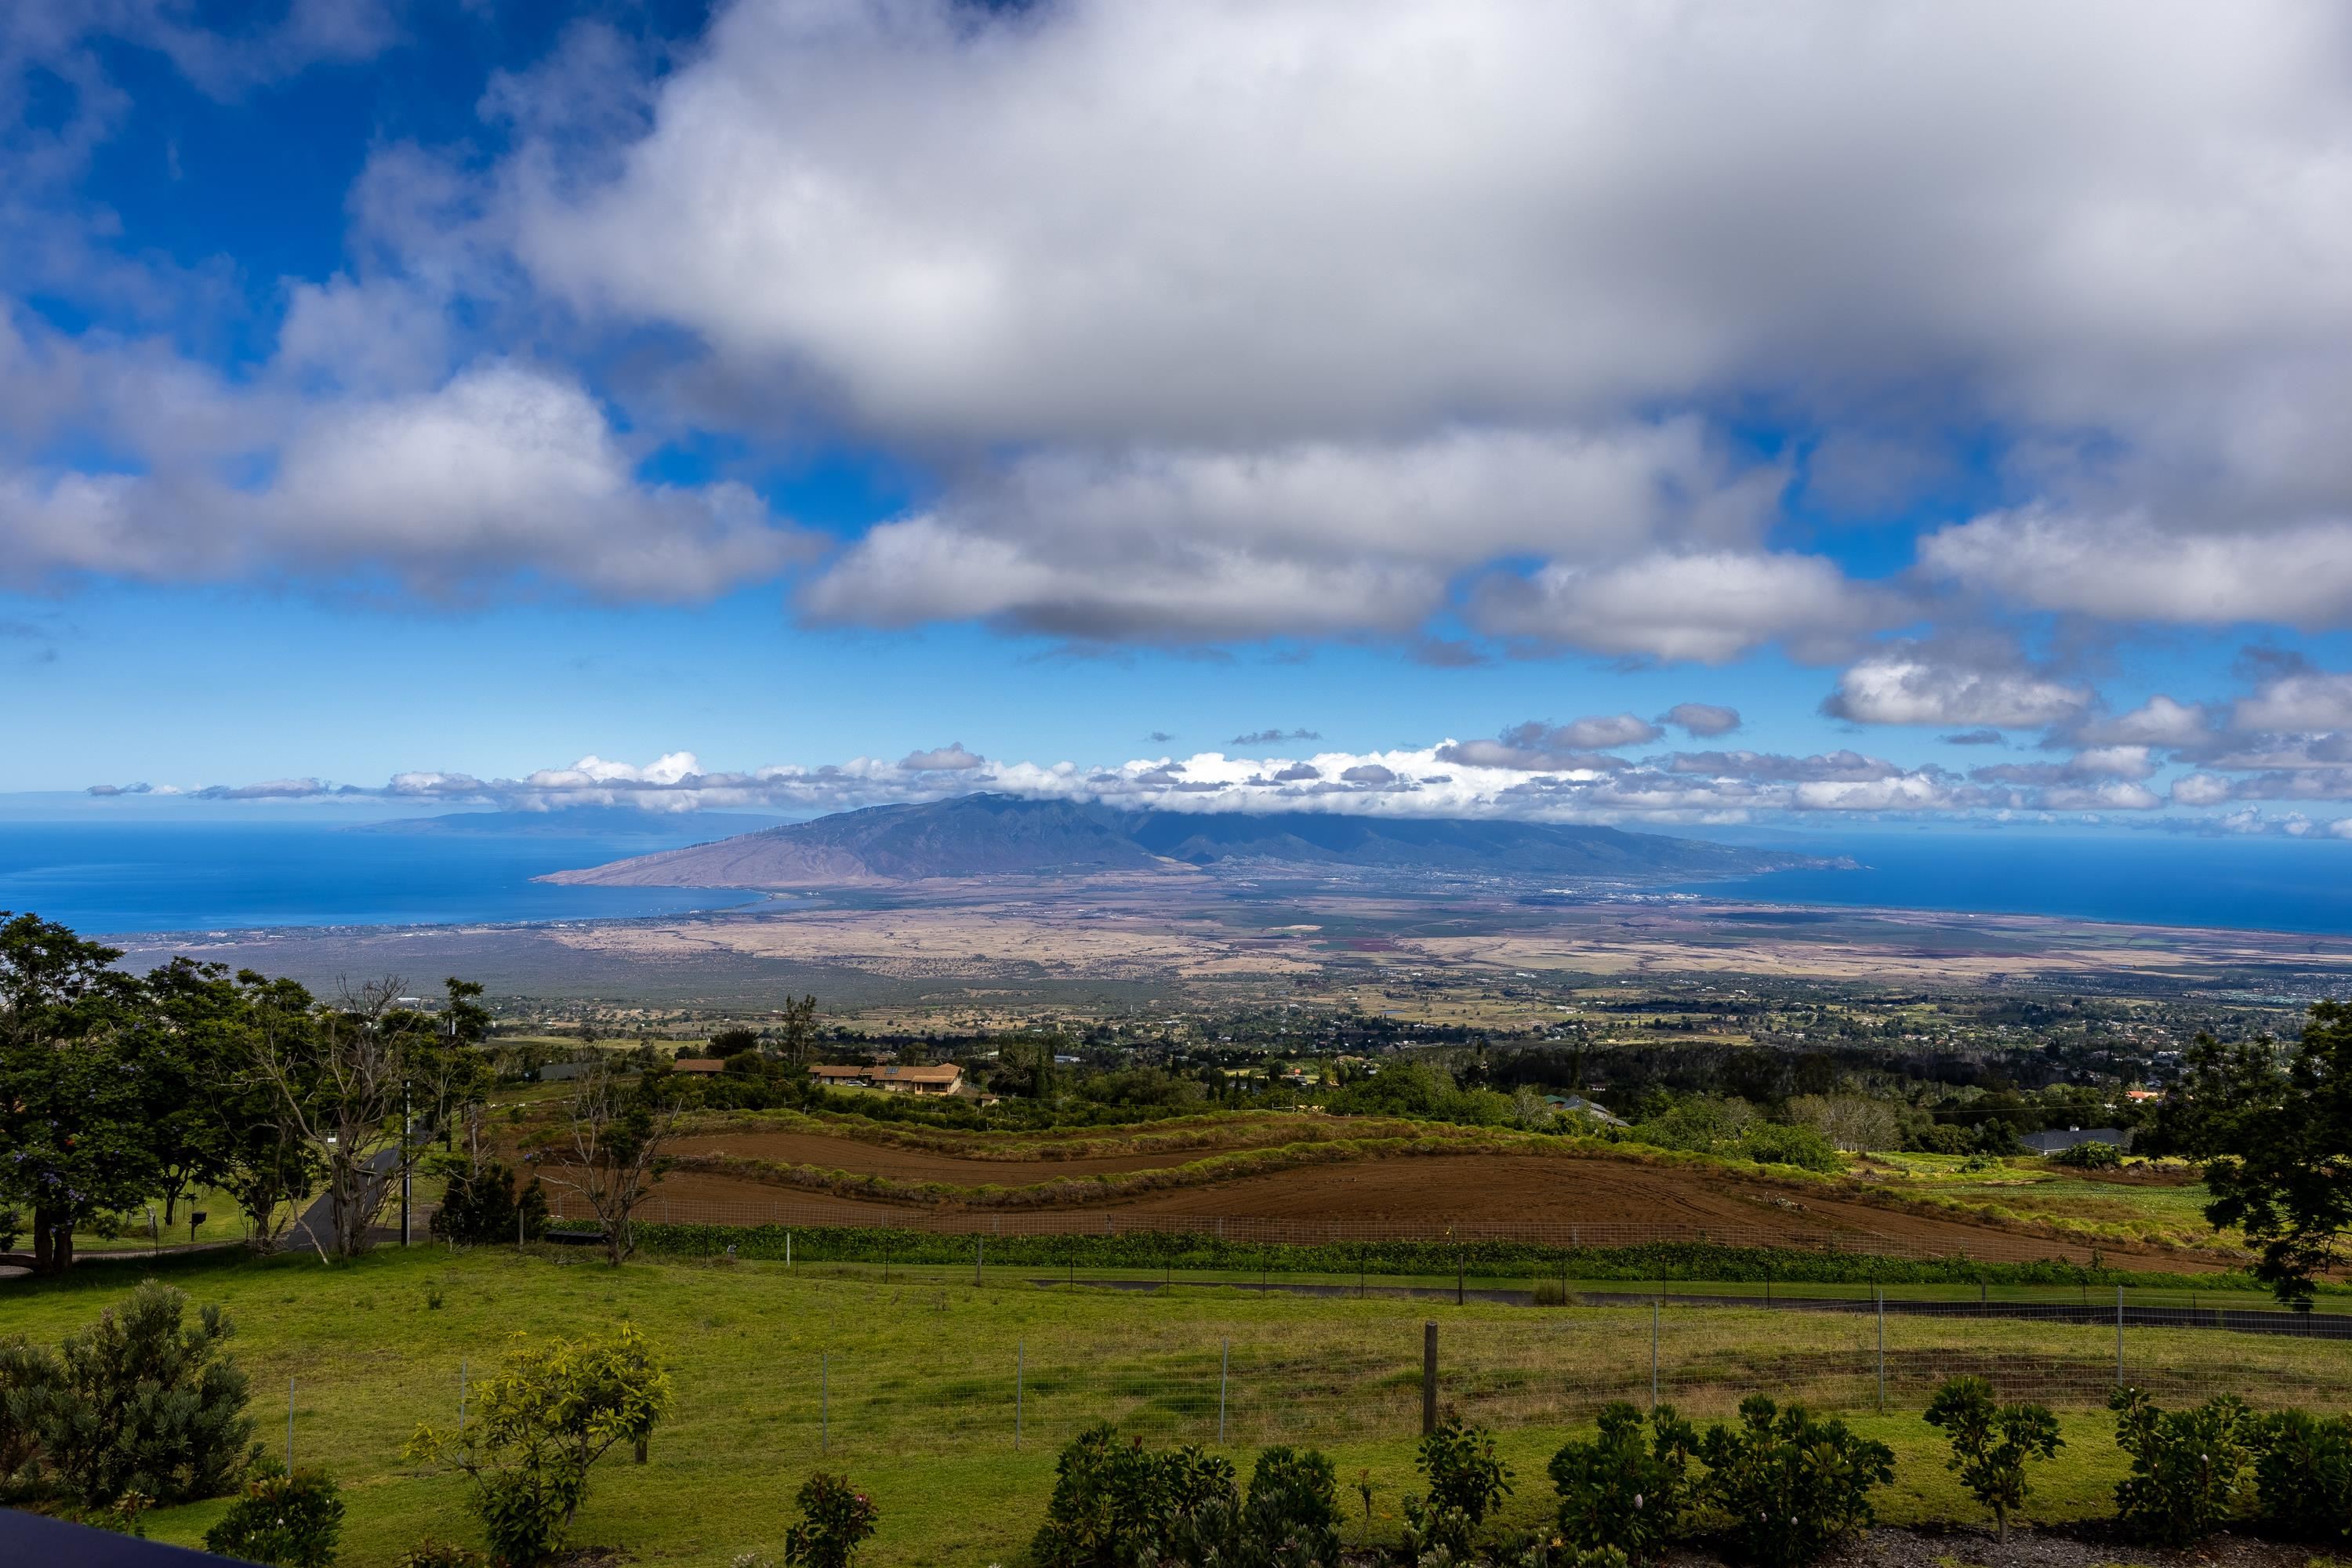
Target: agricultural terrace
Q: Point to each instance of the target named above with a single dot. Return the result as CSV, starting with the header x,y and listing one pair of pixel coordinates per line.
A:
x,y
1321,1176
921,1382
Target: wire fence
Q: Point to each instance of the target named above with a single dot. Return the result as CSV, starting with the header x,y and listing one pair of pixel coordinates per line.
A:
x,y
1249,1383
702,1209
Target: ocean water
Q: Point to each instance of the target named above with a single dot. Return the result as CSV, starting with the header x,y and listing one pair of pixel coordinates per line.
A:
x,y
2137,878
112,878
116,877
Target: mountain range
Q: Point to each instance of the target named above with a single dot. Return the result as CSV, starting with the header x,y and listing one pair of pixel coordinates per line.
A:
x,y
998,834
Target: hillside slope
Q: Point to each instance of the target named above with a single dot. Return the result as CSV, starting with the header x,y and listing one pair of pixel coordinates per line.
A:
x,y
996,834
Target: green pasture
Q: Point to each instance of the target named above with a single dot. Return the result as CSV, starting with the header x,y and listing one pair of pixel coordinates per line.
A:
x,y
919,1384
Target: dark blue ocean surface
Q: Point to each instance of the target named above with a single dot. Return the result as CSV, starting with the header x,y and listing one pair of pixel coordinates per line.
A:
x,y
115,878
2139,878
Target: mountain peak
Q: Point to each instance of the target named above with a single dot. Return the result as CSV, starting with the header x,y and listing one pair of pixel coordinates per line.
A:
x,y
992,835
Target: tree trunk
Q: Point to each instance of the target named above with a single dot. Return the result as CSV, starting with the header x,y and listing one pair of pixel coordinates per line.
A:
x,y
52,1240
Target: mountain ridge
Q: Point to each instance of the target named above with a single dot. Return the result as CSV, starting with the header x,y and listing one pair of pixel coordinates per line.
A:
x,y
997,835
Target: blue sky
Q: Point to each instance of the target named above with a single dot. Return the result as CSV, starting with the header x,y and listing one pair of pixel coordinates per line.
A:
x,y
773,406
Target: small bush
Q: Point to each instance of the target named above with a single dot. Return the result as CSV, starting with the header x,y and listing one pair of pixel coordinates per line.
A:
x,y
480,1204
542,1421
2303,1475
1620,1491
290,1521
27,1373
1793,1486
1466,1482
2092,1156
835,1519
1775,1144
143,1403
1292,1517
1991,1443
2188,1465
1117,1503
441,1554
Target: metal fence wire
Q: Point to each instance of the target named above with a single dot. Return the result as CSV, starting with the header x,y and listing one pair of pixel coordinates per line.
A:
x,y
1251,1383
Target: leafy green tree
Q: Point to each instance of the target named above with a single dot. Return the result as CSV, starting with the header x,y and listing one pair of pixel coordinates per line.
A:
x,y
734,1042
146,1402
1991,1443
2273,1129
551,1410
482,1202
270,1165
74,1146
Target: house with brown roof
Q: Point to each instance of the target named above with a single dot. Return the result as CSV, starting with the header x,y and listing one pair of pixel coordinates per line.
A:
x,y
892,1079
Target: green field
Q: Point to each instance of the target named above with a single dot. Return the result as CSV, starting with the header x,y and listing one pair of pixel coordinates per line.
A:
x,y
910,1384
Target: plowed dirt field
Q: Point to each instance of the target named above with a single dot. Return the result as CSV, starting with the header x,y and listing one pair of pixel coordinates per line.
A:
x,y
1616,1201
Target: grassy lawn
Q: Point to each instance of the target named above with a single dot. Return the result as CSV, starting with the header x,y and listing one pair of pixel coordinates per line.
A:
x,y
2032,1189
910,1383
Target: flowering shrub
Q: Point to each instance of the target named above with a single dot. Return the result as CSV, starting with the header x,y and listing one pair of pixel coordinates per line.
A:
x,y
1792,1486
1620,1491
835,1519
290,1522
2189,1466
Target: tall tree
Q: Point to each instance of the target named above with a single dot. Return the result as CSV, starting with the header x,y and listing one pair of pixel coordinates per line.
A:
x,y
72,1102
2272,1127
618,1128
197,1068
345,1080
271,1166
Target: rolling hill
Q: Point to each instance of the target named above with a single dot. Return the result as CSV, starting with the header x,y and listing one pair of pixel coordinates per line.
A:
x,y
997,835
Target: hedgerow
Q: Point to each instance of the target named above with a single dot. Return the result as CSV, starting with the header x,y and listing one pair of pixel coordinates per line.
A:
x,y
1490,1259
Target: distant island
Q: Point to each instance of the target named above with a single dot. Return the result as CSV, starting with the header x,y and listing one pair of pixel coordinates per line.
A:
x,y
574,822
998,834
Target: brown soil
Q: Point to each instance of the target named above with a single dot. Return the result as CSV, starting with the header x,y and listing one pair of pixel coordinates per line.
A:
x,y
920,1165
1419,1194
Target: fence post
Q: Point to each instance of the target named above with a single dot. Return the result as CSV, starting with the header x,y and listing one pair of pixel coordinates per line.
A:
x,y
1428,1377
2119,1336
1457,1277
824,1402
788,1249
1882,1349
1224,1369
1020,1368
979,1260
1657,1306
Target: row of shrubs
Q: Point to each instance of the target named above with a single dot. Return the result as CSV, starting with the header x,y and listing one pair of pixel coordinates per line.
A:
x,y
1777,1488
